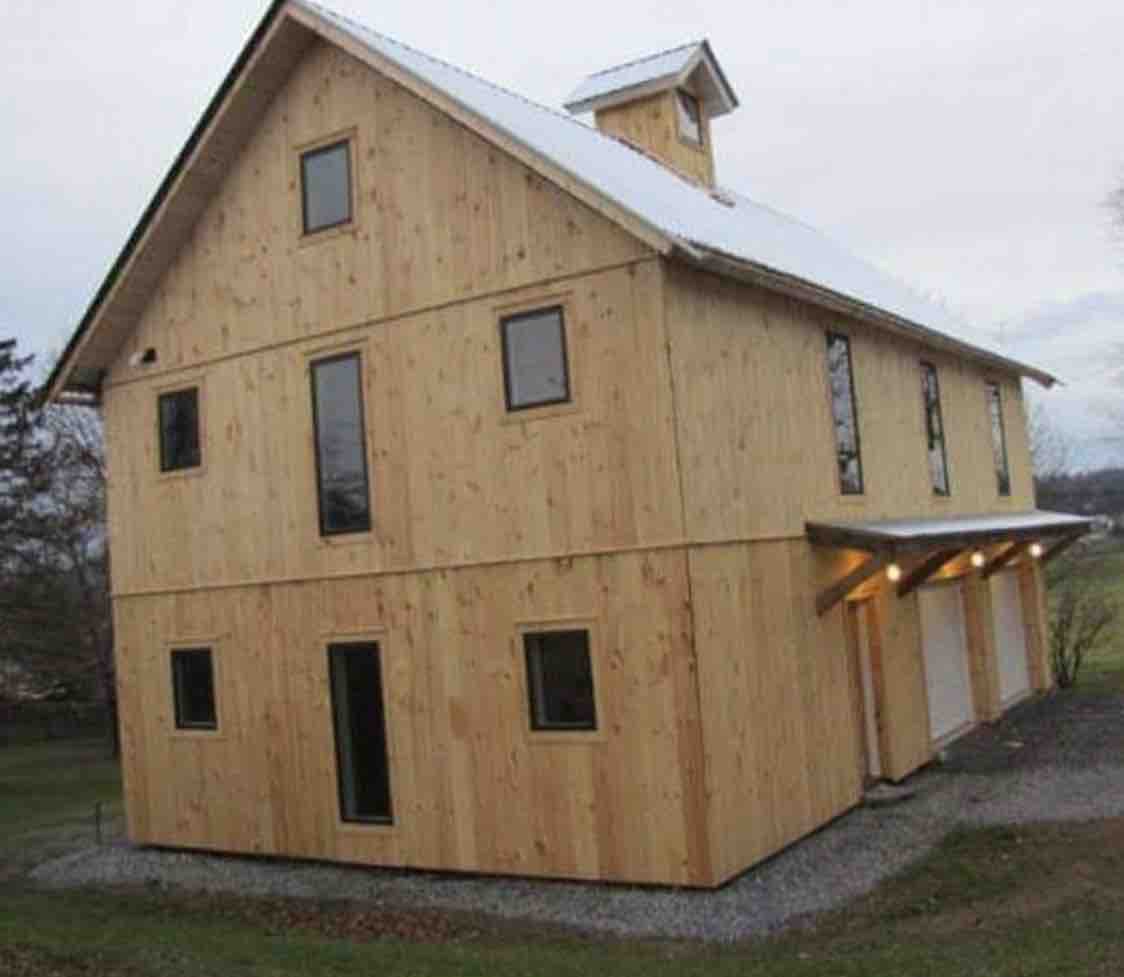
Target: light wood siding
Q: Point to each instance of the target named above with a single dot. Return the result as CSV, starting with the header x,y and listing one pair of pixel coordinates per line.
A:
x,y
446,225
755,426
472,789
440,216
652,124
780,729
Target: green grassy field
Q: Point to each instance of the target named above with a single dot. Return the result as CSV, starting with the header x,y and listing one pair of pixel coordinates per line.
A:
x,y
1043,900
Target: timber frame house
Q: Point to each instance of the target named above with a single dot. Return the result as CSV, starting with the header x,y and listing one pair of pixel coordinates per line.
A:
x,y
491,491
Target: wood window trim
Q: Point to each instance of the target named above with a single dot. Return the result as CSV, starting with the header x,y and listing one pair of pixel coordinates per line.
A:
x,y
572,737
996,385
929,365
350,136
573,404
843,496
376,636
213,644
327,354
170,386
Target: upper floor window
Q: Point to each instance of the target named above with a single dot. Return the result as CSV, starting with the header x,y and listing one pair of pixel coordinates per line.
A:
x,y
193,688
326,186
178,413
341,445
934,429
844,414
535,370
690,117
560,680
998,438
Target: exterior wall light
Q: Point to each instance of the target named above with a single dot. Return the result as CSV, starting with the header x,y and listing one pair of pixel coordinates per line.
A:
x,y
978,559
1036,550
893,573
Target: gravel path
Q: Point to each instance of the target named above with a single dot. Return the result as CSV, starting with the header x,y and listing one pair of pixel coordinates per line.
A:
x,y
1025,783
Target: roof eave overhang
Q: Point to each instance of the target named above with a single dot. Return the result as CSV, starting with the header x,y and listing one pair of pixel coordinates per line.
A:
x,y
730,266
58,384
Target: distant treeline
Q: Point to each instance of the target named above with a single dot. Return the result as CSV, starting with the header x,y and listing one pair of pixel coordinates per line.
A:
x,y
1085,493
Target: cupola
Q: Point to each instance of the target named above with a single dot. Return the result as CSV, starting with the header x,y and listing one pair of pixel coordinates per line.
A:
x,y
662,105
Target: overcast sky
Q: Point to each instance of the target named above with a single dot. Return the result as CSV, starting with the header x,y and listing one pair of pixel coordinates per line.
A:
x,y
965,147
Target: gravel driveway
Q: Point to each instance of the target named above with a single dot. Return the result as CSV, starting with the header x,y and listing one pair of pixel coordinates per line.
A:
x,y
1058,758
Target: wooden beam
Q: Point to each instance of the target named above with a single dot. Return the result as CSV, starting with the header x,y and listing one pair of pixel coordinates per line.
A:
x,y
1059,548
922,571
1004,557
827,598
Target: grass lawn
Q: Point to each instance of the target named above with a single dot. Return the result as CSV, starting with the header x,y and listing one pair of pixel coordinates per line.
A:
x,y
1042,900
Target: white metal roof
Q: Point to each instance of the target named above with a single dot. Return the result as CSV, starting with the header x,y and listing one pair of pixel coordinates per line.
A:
x,y
656,73
907,530
688,214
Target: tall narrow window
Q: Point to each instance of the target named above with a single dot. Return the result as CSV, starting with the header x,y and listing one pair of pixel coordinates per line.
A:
x,y
690,117
844,414
193,688
326,187
998,439
934,429
179,429
535,370
362,762
560,680
341,445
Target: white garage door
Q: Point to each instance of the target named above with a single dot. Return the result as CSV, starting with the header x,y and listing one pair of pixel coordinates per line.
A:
x,y
945,644
1010,637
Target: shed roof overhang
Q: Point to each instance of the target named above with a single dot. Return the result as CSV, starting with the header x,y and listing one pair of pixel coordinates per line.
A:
x,y
929,544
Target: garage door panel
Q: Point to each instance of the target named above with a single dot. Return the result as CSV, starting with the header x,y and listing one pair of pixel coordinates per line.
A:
x,y
1010,637
945,648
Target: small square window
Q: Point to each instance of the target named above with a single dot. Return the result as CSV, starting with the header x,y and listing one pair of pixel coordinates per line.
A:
x,y
193,686
179,430
326,187
534,359
690,117
560,680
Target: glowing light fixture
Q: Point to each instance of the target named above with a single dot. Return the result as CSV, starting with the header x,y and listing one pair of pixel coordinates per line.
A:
x,y
978,559
1036,550
893,573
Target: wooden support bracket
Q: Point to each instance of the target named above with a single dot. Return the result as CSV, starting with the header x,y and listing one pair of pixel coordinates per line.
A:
x,y
1058,548
827,598
922,571
1004,557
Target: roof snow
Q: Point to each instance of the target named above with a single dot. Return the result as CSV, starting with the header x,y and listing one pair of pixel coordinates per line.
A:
x,y
690,215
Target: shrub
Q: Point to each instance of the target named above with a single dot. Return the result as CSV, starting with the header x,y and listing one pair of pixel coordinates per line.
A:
x,y
1080,620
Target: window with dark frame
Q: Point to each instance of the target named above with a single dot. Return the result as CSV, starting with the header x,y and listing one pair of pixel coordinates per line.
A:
x,y
193,688
934,429
535,368
359,719
844,414
690,117
342,483
560,680
326,187
998,438
178,413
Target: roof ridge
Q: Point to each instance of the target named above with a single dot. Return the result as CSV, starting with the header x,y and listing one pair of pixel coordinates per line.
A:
x,y
556,113
646,57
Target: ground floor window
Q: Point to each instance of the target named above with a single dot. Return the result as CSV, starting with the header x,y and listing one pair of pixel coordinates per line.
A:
x,y
560,680
360,725
193,688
